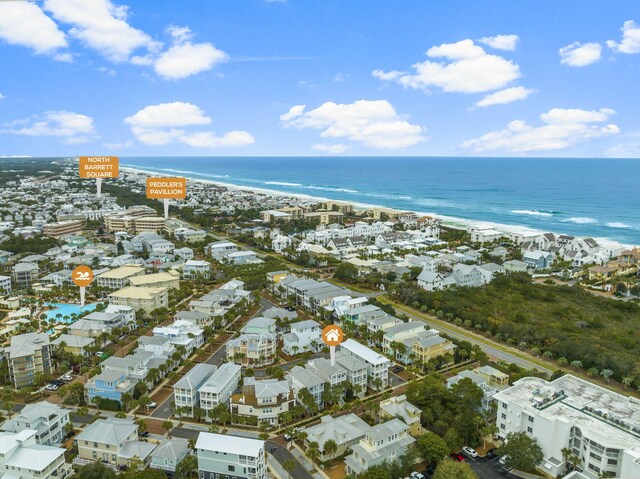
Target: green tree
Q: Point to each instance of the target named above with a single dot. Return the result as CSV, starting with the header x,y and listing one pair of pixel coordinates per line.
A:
x,y
432,447
448,469
96,470
167,426
289,465
524,452
330,448
187,468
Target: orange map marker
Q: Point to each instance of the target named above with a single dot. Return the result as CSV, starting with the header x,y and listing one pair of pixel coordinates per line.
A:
x,y
166,189
82,277
332,336
99,167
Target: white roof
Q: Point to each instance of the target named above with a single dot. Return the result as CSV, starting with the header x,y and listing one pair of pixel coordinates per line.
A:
x,y
36,457
230,444
368,355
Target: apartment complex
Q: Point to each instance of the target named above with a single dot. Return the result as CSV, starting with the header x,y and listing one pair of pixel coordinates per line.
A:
x,y
29,355
263,400
599,426
253,350
118,278
377,364
62,228
220,386
23,458
48,420
144,299
224,456
185,391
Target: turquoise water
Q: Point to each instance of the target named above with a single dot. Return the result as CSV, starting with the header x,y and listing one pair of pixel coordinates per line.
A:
x,y
67,310
581,196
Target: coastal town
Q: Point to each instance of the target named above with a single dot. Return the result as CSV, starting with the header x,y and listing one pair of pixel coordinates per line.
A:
x,y
199,349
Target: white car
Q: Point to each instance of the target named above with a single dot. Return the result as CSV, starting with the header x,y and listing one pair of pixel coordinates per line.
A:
x,y
469,452
99,353
66,378
152,404
417,475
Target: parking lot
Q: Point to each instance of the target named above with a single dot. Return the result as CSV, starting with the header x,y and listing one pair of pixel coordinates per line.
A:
x,y
488,468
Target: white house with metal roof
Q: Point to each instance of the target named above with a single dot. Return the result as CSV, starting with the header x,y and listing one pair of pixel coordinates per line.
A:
x,y
219,387
222,455
48,420
185,391
21,457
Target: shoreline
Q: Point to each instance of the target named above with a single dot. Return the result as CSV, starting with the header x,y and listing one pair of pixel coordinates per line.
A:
x,y
447,221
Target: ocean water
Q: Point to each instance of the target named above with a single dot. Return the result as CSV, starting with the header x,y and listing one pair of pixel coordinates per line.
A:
x,y
584,197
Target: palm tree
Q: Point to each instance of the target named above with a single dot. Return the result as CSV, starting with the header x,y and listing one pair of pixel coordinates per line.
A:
x,y
330,448
626,381
577,364
167,426
289,465
606,373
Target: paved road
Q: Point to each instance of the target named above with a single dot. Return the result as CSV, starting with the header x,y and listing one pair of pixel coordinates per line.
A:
x,y
281,455
489,469
496,353
164,409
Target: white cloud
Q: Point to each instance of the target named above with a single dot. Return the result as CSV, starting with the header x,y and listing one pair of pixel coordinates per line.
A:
x,y
25,24
166,122
580,55
102,26
507,95
184,60
373,123
630,39
72,128
340,77
467,69
2,97
501,42
562,129
118,146
336,148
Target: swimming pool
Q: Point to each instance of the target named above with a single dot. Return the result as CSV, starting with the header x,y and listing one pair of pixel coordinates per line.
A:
x,y
67,310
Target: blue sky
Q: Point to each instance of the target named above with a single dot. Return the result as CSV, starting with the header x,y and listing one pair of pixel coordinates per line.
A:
x,y
320,77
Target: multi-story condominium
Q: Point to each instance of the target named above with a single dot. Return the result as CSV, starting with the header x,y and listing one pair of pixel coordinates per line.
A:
x,y
157,280
220,386
263,399
5,284
398,334
193,268
112,441
185,391
130,222
182,333
304,377
259,325
332,375
221,249
345,431
224,456
74,344
141,299
399,407
47,420
108,385
599,426
29,355
377,364
386,442
25,274
22,457
119,278
62,228
356,372
304,336
381,323
253,350
158,345
428,345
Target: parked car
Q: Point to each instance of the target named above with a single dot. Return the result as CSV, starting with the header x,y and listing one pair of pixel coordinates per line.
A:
x,y
144,434
430,470
417,475
66,378
469,452
491,453
503,462
99,353
52,387
456,456
152,404
287,437
76,369
397,369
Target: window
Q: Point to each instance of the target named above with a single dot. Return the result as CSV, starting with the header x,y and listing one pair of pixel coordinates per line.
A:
x,y
504,416
231,468
502,426
612,462
594,468
504,405
595,456
530,418
530,430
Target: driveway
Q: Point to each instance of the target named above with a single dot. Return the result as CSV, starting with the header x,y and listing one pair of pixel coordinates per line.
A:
x,y
281,454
